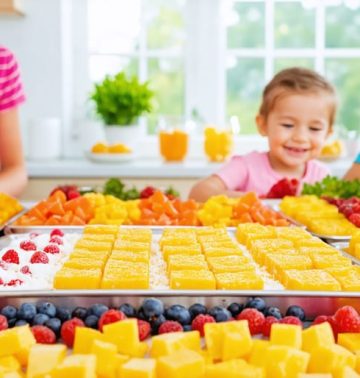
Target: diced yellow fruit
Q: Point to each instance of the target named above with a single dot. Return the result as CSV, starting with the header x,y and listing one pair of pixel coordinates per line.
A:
x,y
316,336
345,372
67,278
193,280
9,363
120,360
105,358
183,363
258,351
76,366
286,334
213,339
11,374
84,338
139,368
236,340
350,341
169,343
314,375
233,369
124,334
140,350
44,358
325,359
297,362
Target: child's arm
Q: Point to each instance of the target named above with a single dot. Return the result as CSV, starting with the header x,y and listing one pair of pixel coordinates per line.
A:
x,y
13,177
354,172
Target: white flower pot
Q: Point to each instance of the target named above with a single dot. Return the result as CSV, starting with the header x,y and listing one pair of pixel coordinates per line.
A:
x,y
131,135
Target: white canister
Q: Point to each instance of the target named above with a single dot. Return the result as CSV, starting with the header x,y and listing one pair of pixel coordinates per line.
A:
x,y
44,138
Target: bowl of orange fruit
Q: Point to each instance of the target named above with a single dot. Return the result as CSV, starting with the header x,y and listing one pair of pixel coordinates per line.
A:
x,y
109,153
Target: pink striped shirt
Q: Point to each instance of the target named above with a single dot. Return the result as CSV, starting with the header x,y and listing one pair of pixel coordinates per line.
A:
x,y
11,90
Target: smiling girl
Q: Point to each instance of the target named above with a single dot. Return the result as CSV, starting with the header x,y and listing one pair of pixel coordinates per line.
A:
x,y
296,115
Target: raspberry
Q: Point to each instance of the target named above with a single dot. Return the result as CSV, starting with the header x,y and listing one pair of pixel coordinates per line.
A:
x,y
144,329
39,258
72,194
11,256
284,187
320,319
255,319
291,320
199,322
355,219
1,281
3,323
347,320
170,326
52,248
269,321
147,192
28,245
56,232
15,282
43,335
56,240
68,330
25,270
110,316
334,326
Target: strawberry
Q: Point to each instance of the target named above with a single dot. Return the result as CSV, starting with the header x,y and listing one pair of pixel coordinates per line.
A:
x,y
199,322
144,329
68,330
52,248
147,192
334,325
269,321
28,245
25,270
11,256
3,323
56,240
110,316
284,187
72,194
355,219
255,319
15,282
170,326
56,232
39,258
347,320
291,320
43,335
1,281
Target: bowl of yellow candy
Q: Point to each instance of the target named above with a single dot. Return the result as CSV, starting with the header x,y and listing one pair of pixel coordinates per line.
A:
x,y
107,153
332,151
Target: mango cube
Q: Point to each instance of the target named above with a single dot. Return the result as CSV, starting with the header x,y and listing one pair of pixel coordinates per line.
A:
x,y
345,372
105,358
76,366
234,369
169,343
44,358
350,341
236,340
286,334
9,363
139,368
257,353
316,336
84,338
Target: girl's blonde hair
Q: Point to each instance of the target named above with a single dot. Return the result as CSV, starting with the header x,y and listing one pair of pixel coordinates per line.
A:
x,y
297,80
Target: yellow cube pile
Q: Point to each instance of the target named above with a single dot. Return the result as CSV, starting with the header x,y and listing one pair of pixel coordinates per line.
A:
x,y
317,215
354,246
298,260
9,206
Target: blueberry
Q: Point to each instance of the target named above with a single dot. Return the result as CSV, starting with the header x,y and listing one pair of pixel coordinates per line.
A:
x,y
178,313
80,312
27,311
20,322
92,321
141,315
128,310
40,319
97,309
296,311
55,325
257,303
156,323
273,311
152,307
197,309
220,314
187,328
46,308
11,322
63,314
9,312
235,309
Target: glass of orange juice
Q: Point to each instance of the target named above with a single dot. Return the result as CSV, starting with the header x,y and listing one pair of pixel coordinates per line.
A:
x,y
218,143
173,140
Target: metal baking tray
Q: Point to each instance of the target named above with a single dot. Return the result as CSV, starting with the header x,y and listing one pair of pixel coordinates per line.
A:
x,y
314,303
12,219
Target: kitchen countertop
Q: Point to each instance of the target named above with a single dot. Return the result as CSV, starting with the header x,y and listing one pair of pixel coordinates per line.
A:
x,y
140,168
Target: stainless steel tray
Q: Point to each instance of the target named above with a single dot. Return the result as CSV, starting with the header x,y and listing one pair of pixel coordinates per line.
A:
x,y
314,303
12,219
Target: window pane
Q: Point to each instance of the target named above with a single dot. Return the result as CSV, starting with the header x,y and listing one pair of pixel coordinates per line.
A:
x,y
282,63
245,23
342,27
113,25
101,65
245,82
294,25
344,74
165,23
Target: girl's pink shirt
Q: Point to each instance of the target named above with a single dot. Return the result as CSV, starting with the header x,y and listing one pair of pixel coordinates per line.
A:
x,y
253,172
11,90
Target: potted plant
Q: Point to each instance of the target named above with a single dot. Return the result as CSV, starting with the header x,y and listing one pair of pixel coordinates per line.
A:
x,y
120,101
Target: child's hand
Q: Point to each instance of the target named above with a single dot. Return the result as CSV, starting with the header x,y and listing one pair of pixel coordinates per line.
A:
x,y
284,187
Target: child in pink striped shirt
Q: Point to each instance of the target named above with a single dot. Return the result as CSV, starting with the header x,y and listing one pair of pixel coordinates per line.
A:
x,y
296,115
13,177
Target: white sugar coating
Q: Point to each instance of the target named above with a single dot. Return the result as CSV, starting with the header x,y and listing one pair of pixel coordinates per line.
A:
x,y
41,275
158,276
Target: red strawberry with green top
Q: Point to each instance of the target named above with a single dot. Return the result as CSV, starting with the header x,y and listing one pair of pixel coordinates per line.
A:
x,y
147,192
284,187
